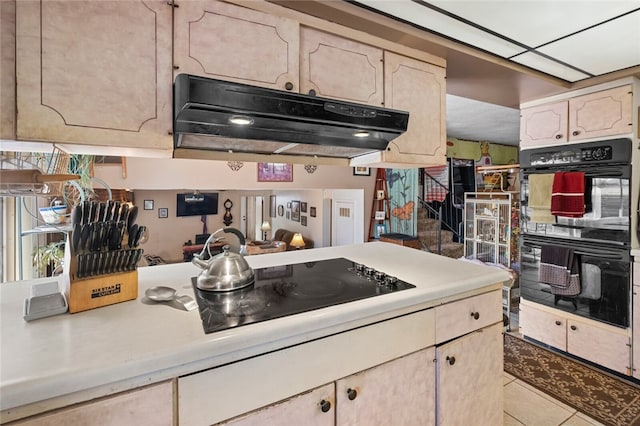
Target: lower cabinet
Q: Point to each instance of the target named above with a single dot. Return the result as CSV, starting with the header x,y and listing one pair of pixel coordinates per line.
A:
x,y
151,405
399,392
636,326
597,342
469,379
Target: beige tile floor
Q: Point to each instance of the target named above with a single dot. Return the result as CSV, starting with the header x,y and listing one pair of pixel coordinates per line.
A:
x,y
526,405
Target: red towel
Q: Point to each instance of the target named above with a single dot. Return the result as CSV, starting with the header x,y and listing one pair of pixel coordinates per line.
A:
x,y
567,194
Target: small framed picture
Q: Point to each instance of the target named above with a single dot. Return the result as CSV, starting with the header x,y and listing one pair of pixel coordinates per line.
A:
x,y
272,206
361,171
295,211
288,216
289,204
379,215
303,220
380,229
380,194
163,213
280,210
148,204
312,211
303,207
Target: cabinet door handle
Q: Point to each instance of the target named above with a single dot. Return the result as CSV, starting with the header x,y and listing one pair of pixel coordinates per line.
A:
x,y
475,315
451,360
288,85
558,136
312,92
352,394
574,328
325,405
575,133
558,323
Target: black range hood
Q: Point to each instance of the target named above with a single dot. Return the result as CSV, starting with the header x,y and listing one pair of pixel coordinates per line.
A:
x,y
278,121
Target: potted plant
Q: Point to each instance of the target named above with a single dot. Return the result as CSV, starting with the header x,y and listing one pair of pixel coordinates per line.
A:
x,y
49,256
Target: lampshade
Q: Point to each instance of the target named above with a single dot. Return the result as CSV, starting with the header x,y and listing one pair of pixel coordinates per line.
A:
x,y
266,226
297,240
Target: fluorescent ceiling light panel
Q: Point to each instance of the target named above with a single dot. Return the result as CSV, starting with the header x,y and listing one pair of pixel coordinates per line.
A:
x,y
603,49
537,62
436,22
534,23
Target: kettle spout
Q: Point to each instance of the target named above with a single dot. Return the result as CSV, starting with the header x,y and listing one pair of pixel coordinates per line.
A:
x,y
199,262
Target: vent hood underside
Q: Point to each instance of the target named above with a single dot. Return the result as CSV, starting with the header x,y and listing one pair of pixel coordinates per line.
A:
x,y
281,122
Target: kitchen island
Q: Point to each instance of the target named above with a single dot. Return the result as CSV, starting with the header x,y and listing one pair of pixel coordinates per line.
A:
x,y
144,353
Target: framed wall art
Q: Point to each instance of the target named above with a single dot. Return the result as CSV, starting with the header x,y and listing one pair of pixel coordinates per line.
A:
x,y
272,206
295,211
303,207
280,210
163,213
312,211
361,171
303,220
148,204
275,172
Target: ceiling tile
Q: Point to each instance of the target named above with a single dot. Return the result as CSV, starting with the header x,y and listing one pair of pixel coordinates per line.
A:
x,y
537,62
534,23
606,48
430,20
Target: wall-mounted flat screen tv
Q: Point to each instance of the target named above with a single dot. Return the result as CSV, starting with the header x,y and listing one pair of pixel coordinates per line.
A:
x,y
197,204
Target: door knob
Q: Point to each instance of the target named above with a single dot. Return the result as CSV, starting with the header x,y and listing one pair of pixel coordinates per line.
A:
x,y
352,394
325,405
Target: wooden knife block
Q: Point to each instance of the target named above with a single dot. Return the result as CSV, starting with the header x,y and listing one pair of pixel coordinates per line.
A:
x,y
94,292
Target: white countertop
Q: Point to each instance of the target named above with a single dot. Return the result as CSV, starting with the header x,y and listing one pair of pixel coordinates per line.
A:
x,y
73,357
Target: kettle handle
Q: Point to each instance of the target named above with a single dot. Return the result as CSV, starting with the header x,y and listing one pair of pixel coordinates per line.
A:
x,y
237,234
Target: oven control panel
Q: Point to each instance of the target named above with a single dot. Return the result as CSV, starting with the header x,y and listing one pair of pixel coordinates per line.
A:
x,y
572,156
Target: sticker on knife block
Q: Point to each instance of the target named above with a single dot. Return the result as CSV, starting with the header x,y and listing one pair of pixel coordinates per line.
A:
x,y
84,293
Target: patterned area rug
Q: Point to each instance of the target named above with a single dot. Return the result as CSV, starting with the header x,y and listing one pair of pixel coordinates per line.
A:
x,y
602,396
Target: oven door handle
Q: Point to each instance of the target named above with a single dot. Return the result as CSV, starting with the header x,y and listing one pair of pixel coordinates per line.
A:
x,y
592,252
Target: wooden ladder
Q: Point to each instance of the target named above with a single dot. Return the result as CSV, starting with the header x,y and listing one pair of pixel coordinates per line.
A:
x,y
380,204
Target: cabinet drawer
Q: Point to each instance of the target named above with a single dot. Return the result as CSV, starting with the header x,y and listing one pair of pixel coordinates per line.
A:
x,y
464,316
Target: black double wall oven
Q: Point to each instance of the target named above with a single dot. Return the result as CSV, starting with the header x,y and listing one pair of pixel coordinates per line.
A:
x,y
600,239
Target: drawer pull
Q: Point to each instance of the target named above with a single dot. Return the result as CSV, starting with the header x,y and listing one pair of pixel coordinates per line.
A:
x,y
351,394
288,85
558,323
475,315
558,136
325,405
574,328
575,133
451,360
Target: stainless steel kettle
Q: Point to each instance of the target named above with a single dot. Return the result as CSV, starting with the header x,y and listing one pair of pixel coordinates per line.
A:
x,y
226,271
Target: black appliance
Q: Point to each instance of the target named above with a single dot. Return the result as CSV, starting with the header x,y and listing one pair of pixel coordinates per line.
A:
x,y
601,238
196,204
291,289
274,121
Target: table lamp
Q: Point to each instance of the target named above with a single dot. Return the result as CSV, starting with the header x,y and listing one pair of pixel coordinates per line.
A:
x,y
297,241
266,226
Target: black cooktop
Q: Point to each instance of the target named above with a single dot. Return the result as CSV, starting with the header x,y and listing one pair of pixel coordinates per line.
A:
x,y
291,289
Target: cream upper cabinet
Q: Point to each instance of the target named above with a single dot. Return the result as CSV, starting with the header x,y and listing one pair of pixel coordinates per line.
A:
x,y
338,68
605,113
94,73
600,114
544,124
399,392
228,42
419,88
468,366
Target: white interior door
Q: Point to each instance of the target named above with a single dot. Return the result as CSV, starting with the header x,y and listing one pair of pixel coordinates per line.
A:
x,y
243,214
342,222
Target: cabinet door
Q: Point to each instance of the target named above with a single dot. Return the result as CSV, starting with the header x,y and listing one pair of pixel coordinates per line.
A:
x,y
338,68
543,326
399,392
544,125
636,329
95,73
469,379
313,408
7,69
605,113
419,88
152,405
227,42
599,343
